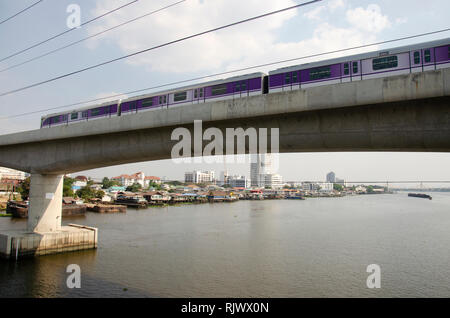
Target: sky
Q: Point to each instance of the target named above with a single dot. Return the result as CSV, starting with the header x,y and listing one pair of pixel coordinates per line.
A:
x,y
320,27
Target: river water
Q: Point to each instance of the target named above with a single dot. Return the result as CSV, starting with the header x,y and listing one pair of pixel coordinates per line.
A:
x,y
280,248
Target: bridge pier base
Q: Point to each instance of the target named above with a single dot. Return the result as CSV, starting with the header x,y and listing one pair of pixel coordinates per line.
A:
x,y
44,233
45,208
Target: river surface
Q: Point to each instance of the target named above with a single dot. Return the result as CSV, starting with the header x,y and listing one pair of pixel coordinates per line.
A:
x,y
280,248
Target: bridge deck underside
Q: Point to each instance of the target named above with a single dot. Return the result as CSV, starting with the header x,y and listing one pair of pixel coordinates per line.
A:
x,y
414,125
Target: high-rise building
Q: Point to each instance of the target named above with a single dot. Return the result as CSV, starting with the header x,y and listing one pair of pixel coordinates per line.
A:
x,y
331,177
273,181
197,176
261,164
239,182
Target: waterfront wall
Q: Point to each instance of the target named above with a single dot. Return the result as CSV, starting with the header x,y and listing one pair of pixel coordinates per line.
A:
x,y
70,238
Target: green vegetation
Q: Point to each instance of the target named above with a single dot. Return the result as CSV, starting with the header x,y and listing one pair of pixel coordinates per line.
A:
x,y
24,189
108,183
175,183
136,187
338,187
87,193
154,185
67,187
369,189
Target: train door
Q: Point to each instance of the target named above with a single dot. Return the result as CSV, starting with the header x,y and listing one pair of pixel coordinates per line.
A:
x,y
355,70
428,59
415,60
287,84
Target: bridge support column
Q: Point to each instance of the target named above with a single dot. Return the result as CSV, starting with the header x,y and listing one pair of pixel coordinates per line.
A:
x,y
44,214
44,233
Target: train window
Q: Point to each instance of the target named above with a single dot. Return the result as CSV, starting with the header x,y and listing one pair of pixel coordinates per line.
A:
x,y
85,114
177,97
237,88
133,105
355,67
416,57
427,56
160,100
320,73
165,99
147,102
449,52
55,120
219,90
243,86
294,77
74,116
95,112
385,62
287,78
195,93
346,69
64,117
201,92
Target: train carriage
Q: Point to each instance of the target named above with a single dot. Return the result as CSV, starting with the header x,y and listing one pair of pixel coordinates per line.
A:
x,y
403,60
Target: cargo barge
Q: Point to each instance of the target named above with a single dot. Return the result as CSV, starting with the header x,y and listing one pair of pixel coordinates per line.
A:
x,y
19,209
420,195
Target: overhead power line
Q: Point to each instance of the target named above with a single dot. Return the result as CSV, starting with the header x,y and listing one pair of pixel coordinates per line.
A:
x,y
67,31
156,47
22,11
223,73
90,37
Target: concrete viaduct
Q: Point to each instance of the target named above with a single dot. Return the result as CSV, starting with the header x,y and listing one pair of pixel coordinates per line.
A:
x,y
399,113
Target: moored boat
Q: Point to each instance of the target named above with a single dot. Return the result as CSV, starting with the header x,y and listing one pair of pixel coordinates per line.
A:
x,y
420,195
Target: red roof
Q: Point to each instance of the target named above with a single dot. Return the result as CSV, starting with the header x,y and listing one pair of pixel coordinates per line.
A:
x,y
126,176
152,178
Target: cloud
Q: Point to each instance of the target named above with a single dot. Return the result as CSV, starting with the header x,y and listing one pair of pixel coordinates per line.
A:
x,y
205,52
334,4
401,20
248,44
370,19
315,13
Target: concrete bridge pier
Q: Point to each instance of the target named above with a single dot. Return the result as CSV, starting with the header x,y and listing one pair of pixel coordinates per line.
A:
x,y
44,233
44,213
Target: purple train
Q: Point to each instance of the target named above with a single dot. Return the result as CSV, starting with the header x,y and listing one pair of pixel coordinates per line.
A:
x,y
402,60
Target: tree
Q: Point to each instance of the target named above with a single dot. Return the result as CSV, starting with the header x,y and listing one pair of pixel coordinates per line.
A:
x,y
369,189
134,188
86,193
338,187
175,183
108,183
99,194
24,189
154,185
67,187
